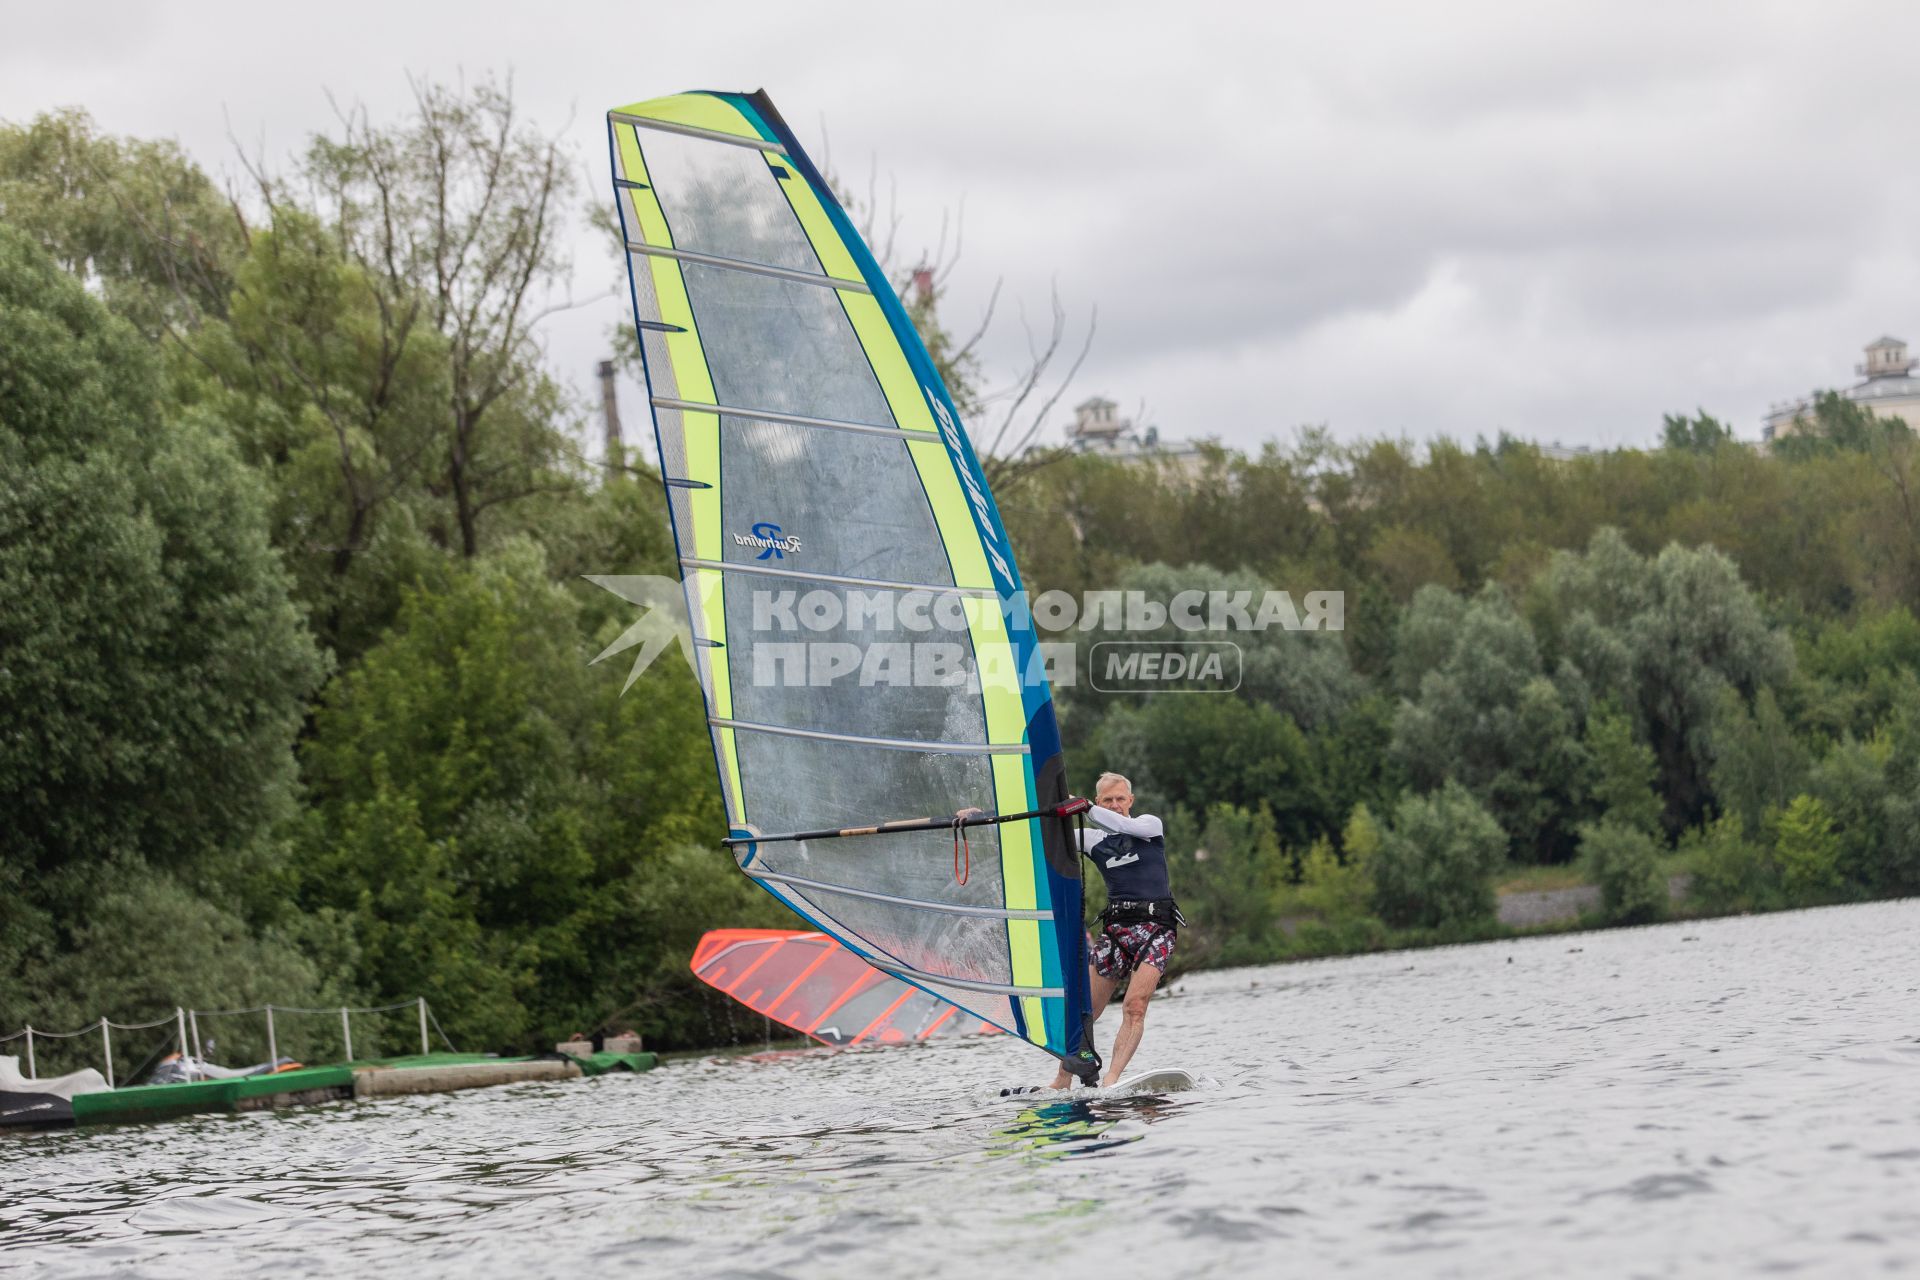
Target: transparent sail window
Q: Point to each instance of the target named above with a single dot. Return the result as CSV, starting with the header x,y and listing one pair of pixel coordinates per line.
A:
x,y
782,346
854,501
725,201
797,784
818,656
967,947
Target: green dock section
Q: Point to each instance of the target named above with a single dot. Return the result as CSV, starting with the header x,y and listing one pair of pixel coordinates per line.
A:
x,y
371,1078
161,1101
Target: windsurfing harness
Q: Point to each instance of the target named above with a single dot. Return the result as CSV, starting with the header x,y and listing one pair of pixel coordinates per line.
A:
x,y
1164,912
1132,856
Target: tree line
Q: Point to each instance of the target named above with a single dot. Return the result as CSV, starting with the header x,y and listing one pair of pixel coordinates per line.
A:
x,y
1696,664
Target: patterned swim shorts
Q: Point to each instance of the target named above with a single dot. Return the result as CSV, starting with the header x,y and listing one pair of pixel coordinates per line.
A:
x,y
1120,948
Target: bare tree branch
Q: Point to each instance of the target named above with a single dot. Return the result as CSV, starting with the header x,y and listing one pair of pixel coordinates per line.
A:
x,y
458,211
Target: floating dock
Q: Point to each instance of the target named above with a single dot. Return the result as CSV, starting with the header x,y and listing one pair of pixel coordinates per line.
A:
x,y
310,1086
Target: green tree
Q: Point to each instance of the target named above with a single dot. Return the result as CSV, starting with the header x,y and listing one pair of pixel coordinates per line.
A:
x,y
1427,637
456,215
153,672
1731,872
1898,869
371,345
148,943
1411,561
1854,671
1661,638
1897,864
341,422
489,812
1623,859
1621,848
1353,764
1303,674
1758,763
1338,885
1838,425
1701,433
1624,772
1807,851
151,665
1200,752
1227,886
136,219
1851,784
1436,862
1487,718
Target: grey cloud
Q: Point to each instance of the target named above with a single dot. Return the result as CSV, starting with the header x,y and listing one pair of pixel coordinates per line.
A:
x,y
1560,219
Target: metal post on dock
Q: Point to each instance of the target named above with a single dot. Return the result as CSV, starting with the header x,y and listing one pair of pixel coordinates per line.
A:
x,y
346,1033
180,1028
193,1021
106,1042
32,1071
423,1026
273,1046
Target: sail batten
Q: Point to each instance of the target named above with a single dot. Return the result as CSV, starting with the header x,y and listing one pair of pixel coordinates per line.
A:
x,y
693,131
969,984
918,904
888,744
742,264
794,420
815,455
836,579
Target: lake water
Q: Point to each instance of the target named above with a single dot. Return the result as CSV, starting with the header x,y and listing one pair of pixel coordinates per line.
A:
x,y
1720,1097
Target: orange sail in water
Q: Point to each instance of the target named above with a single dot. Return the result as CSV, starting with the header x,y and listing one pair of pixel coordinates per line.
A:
x,y
809,982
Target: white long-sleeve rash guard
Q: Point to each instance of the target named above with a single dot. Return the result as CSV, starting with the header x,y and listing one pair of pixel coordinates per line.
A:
x,y
1144,827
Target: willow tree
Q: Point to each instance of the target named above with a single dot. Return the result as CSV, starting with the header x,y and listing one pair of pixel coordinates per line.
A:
x,y
1484,715
1662,637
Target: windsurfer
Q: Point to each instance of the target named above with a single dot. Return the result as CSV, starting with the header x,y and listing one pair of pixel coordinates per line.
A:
x,y
1139,924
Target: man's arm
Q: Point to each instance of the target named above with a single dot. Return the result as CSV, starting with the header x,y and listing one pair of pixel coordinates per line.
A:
x,y
1144,827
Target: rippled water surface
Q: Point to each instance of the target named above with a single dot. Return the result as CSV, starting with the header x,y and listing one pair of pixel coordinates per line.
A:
x,y
1720,1097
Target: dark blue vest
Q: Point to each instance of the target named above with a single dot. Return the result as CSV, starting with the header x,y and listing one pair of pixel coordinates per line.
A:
x,y
1135,869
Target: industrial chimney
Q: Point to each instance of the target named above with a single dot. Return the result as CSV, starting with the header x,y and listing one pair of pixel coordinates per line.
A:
x,y
615,459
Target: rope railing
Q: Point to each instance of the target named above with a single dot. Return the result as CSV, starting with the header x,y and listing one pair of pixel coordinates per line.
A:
x,y
186,1024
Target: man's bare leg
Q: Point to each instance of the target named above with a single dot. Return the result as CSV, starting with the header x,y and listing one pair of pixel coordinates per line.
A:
x,y
1102,997
1133,1020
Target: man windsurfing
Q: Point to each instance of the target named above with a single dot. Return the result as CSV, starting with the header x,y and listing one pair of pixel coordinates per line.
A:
x,y
1138,926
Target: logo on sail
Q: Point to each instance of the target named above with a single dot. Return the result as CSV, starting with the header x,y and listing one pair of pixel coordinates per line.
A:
x,y
772,543
976,495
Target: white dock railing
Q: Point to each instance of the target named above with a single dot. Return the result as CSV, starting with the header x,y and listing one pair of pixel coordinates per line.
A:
x,y
186,1025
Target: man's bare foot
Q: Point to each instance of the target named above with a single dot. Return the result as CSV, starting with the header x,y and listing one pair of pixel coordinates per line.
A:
x,y
1062,1080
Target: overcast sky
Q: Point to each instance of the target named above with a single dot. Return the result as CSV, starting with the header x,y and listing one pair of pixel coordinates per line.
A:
x,y
1558,220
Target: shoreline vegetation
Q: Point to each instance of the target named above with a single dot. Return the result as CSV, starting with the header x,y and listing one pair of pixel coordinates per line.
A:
x,y
296,702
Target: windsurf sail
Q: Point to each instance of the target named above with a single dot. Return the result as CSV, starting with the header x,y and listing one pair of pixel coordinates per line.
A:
x,y
833,524
809,982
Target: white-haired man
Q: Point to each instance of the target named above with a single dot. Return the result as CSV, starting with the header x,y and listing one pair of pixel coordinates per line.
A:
x,y
1138,927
